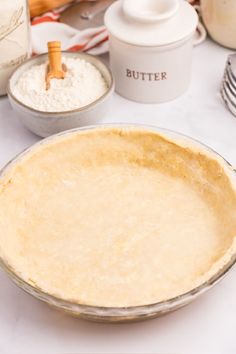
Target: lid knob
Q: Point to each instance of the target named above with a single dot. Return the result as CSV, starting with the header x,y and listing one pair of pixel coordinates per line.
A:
x,y
150,11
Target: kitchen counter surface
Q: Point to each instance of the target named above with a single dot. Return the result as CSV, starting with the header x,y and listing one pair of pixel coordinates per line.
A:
x,y
205,326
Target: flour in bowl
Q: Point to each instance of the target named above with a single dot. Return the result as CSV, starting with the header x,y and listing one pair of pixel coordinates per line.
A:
x,y
82,85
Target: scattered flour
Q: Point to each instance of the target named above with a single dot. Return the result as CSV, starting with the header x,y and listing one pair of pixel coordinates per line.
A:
x,y
82,85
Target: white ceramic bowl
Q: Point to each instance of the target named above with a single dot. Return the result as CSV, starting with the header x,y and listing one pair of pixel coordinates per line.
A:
x,y
48,123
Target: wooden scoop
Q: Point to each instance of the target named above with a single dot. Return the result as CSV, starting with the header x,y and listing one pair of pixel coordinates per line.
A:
x,y
55,69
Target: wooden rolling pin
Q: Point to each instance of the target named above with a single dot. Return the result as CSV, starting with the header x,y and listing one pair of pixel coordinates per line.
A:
x,y
38,7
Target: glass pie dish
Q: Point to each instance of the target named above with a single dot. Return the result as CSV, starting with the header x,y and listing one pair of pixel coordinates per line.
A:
x,y
127,312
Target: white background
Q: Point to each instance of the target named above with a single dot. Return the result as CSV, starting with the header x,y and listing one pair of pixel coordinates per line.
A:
x,y
206,326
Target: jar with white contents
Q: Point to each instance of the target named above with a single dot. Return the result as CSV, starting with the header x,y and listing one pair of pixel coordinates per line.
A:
x,y
14,38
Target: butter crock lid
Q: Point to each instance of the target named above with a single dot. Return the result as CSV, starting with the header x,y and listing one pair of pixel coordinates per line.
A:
x,y
151,22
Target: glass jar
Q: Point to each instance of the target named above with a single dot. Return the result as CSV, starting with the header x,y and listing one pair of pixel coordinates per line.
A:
x,y
14,38
219,17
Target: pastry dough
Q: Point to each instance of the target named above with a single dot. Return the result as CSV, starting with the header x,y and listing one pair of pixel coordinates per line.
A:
x,y
117,216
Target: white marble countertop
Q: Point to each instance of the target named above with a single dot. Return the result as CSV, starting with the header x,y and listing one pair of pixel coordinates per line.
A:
x,y
205,326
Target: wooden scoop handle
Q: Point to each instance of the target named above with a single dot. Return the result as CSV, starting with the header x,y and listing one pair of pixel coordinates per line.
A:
x,y
56,70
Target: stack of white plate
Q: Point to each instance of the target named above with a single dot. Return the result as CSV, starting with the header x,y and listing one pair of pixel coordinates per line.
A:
x,y
228,87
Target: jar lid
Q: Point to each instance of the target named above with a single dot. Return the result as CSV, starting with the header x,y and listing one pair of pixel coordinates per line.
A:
x,y
151,22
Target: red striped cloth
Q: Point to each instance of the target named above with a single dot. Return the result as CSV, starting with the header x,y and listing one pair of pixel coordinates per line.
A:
x,y
48,28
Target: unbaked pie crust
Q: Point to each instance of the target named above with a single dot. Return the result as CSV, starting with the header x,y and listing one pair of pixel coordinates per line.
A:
x,y
117,216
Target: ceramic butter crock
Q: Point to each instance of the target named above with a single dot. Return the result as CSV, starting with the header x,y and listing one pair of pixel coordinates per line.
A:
x,y
151,48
